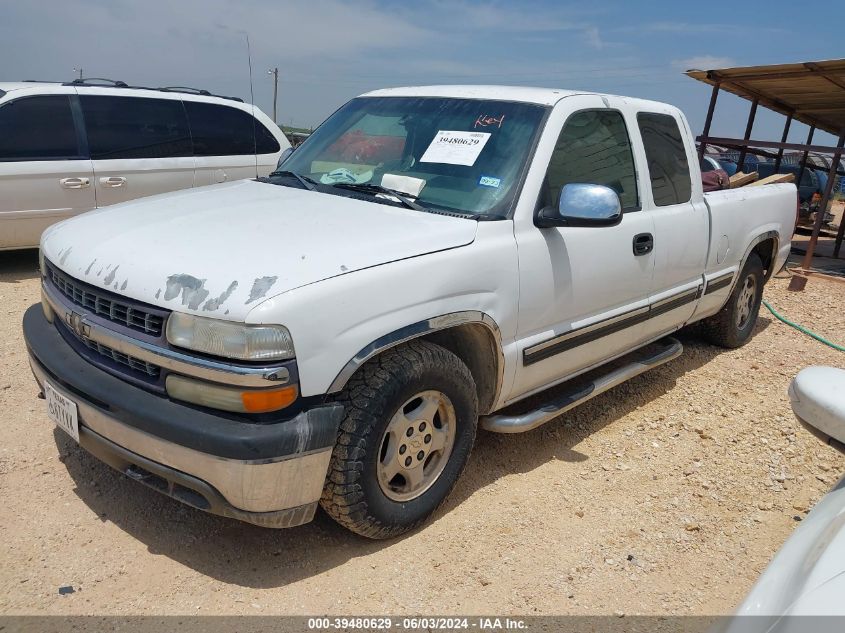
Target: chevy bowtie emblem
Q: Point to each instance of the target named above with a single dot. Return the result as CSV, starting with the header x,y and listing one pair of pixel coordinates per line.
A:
x,y
77,324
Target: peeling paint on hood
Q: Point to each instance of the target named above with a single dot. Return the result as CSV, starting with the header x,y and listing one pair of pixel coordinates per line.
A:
x,y
191,289
260,287
222,250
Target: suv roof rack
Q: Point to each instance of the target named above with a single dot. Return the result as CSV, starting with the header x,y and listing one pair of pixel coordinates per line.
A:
x,y
111,83
186,89
97,81
196,91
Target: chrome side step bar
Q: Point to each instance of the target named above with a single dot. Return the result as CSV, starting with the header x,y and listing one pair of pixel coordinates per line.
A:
x,y
638,362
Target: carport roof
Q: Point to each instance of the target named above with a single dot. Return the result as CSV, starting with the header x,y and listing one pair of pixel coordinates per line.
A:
x,y
812,92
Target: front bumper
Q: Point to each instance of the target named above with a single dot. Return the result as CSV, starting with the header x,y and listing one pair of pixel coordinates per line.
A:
x,y
267,474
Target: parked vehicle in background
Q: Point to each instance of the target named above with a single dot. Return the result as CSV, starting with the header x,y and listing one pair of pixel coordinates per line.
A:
x,y
69,148
713,177
427,260
810,189
807,576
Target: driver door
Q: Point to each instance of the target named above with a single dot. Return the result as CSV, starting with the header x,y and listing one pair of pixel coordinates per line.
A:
x,y
584,291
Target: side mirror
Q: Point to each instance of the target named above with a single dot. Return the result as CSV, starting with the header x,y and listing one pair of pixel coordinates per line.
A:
x,y
283,157
817,395
582,204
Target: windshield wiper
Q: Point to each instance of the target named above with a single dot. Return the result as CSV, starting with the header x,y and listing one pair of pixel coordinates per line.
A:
x,y
376,189
305,181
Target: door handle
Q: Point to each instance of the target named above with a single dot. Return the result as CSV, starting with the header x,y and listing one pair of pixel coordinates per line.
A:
x,y
112,181
643,243
75,183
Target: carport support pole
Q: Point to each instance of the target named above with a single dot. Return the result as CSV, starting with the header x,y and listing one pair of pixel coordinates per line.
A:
x,y
804,157
841,231
702,147
749,125
783,140
817,225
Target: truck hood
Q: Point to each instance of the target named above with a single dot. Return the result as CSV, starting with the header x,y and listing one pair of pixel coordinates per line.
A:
x,y
220,250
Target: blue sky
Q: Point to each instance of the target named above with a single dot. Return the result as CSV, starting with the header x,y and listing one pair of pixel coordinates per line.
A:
x,y
331,50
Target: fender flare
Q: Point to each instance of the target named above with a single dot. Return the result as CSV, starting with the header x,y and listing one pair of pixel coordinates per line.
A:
x,y
754,242
417,330
762,237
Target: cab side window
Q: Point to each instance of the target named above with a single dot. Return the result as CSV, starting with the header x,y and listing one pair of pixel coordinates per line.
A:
x,y
38,128
594,148
668,167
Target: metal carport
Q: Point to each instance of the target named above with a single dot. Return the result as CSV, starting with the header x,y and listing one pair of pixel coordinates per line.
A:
x,y
810,92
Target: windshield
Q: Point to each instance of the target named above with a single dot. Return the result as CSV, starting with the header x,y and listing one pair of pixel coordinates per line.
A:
x,y
461,155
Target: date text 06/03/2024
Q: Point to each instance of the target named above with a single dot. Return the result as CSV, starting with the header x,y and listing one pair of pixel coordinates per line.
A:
x,y
417,623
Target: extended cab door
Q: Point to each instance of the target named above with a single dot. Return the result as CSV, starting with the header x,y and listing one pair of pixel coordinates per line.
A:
x,y
583,291
675,202
229,143
140,145
45,173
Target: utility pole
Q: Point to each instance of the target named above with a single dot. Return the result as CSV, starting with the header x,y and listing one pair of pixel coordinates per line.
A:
x,y
78,70
275,73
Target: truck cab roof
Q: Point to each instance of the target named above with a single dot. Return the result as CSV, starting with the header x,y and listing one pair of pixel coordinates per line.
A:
x,y
540,96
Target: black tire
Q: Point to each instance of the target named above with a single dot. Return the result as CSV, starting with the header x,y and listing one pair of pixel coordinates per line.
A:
x,y
354,495
731,327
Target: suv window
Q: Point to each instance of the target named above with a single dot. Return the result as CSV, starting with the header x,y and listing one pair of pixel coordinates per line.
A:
x,y
593,147
668,166
219,130
135,127
38,128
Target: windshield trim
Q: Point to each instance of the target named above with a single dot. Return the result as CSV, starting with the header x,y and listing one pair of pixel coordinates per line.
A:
x,y
529,157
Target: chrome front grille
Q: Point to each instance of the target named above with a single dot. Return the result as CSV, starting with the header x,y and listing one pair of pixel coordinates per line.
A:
x,y
107,306
137,364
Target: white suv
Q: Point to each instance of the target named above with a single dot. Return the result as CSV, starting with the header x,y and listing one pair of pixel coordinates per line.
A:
x,y
69,148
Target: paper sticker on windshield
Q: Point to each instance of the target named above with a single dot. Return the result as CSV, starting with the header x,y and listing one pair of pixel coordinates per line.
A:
x,y
489,181
455,148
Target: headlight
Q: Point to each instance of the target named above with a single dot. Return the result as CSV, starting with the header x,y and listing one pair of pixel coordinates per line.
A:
x,y
230,340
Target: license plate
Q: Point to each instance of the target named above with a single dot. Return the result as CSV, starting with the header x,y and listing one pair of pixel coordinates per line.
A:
x,y
62,411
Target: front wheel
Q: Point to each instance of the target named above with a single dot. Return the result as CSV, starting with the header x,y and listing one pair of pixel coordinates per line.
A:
x,y
732,326
409,426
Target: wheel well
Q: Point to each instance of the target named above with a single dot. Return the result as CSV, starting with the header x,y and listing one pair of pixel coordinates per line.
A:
x,y
478,348
766,252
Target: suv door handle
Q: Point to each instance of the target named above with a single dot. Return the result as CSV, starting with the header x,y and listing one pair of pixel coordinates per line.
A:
x,y
643,243
75,183
112,181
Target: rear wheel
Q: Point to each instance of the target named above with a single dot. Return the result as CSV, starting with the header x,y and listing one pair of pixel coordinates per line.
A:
x,y
732,326
410,423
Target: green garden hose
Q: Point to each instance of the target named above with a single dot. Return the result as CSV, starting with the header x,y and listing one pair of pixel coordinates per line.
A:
x,y
801,328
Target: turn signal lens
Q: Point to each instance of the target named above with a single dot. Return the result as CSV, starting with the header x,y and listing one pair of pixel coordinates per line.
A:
x,y
268,400
227,398
46,307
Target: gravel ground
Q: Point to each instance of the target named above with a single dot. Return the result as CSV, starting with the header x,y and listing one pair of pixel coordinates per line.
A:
x,y
666,495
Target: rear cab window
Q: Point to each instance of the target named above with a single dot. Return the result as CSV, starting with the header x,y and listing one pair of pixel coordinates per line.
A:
x,y
668,164
38,128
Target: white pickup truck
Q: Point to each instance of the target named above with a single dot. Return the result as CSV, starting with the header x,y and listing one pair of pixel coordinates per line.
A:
x,y
426,260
